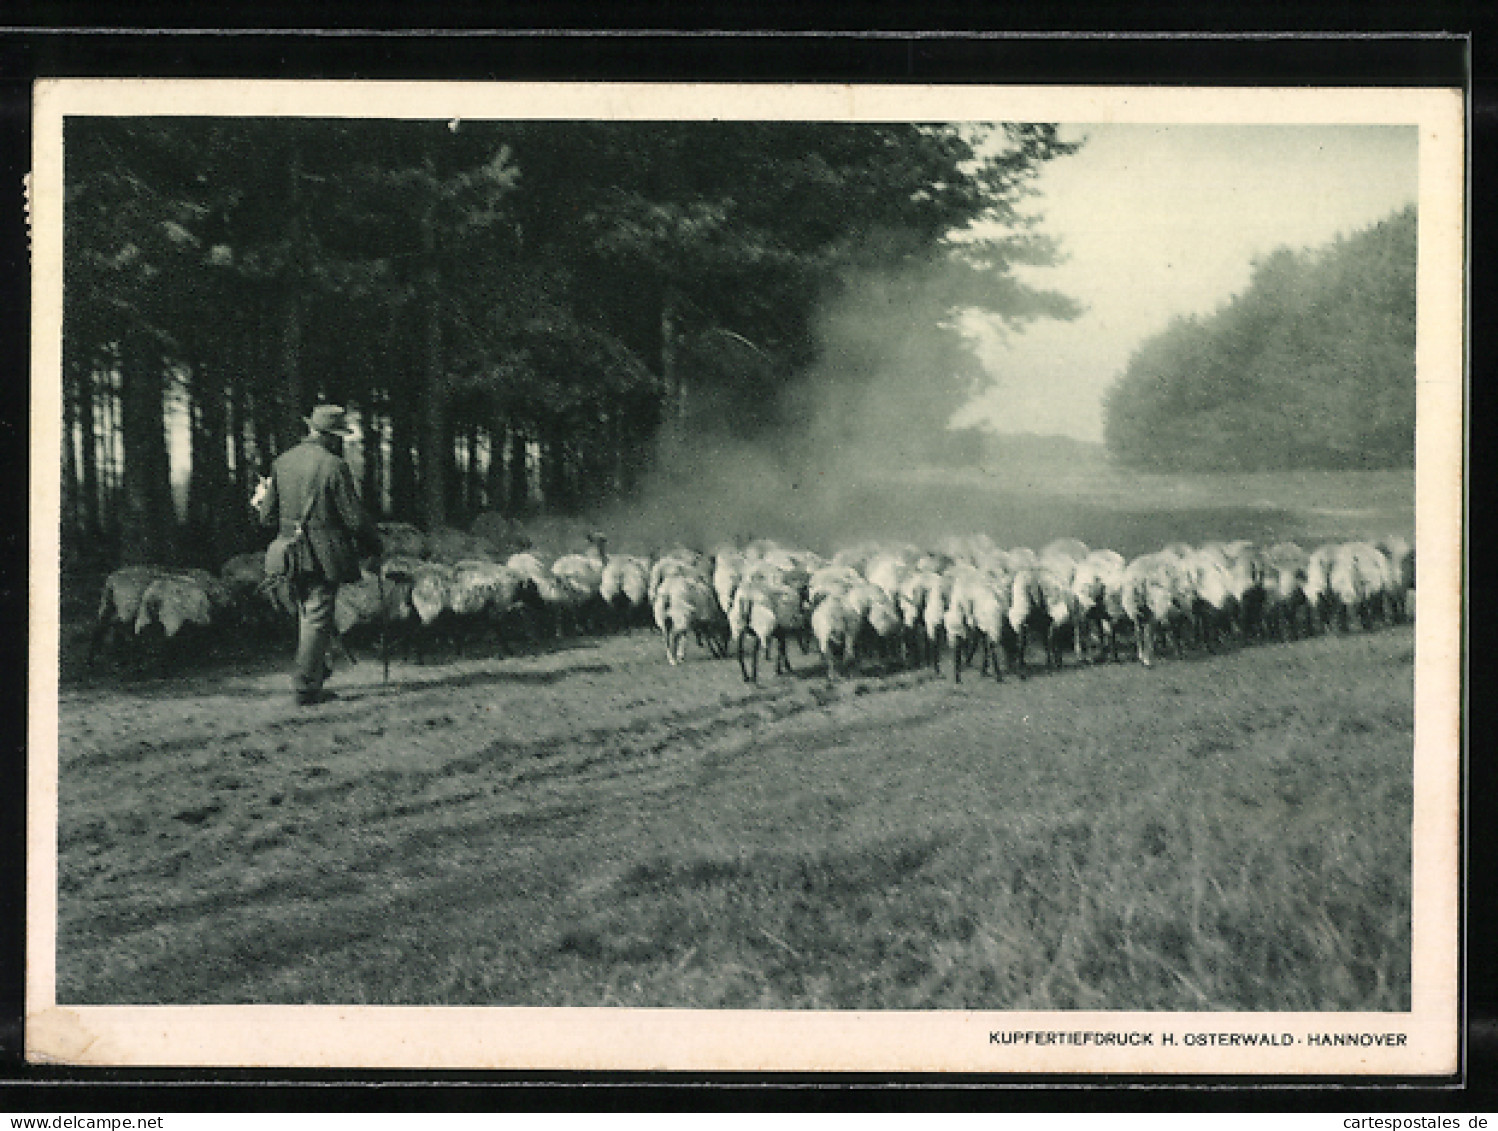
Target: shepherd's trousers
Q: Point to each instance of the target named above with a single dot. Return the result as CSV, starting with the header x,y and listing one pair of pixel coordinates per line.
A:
x,y
315,633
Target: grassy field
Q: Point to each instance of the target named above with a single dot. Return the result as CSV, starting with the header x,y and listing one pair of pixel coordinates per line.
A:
x,y
586,825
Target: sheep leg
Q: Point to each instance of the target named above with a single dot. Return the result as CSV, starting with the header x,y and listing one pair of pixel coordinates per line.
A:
x,y
745,668
993,653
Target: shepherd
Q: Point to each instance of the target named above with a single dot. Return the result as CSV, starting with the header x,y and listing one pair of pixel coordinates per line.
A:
x,y
324,531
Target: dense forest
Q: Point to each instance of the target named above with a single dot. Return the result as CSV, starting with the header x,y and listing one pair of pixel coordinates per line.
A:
x,y
1313,366
518,313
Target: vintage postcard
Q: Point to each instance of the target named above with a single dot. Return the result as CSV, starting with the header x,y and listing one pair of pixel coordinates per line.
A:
x,y
778,578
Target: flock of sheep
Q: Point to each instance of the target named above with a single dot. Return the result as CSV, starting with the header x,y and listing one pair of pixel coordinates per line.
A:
x,y
968,597
900,604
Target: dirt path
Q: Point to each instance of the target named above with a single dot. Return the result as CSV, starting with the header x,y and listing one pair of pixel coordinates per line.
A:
x,y
590,825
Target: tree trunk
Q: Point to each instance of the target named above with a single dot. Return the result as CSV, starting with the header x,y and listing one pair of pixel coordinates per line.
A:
x,y
374,464
89,442
71,532
210,488
403,502
436,443
147,521
516,470
436,451
237,425
496,494
293,408
553,468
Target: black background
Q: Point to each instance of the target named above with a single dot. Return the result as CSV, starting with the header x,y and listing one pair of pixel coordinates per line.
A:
x,y
1165,44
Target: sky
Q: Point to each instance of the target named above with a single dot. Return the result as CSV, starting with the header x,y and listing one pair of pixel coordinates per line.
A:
x,y
1160,221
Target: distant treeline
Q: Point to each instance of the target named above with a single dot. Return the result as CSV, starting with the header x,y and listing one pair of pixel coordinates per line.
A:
x,y
514,310
1313,366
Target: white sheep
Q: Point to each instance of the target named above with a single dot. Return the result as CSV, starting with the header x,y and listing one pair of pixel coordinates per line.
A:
x,y
1213,604
678,562
934,617
793,561
857,556
1021,557
1068,549
119,604
358,609
966,549
888,571
1156,598
1360,578
686,603
728,571
1401,556
1285,603
836,628
487,593
625,587
174,601
831,580
584,570
1321,599
431,592
770,612
976,619
529,563
934,563
1097,576
580,584
1029,615
1055,576
915,590
1248,572
874,607
560,600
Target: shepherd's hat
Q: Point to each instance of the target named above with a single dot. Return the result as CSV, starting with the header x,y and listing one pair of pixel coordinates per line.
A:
x,y
329,418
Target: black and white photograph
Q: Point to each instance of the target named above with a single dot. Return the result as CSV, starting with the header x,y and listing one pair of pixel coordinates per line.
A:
x,y
718,578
